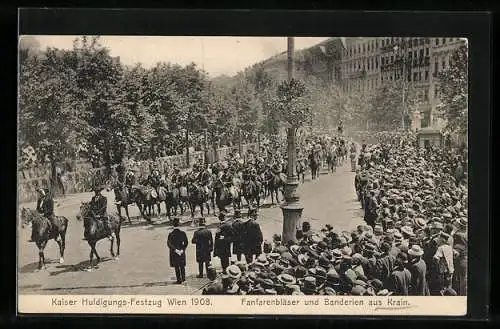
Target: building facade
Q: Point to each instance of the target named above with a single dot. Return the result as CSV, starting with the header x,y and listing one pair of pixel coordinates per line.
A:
x,y
369,62
365,64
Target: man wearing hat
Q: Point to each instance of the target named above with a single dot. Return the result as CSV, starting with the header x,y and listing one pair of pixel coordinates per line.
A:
x,y
130,180
99,206
418,271
222,243
214,287
45,206
385,263
204,242
177,243
444,262
252,241
400,279
461,258
238,235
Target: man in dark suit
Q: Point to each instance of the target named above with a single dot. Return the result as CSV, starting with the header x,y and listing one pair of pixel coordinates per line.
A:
x,y
238,235
204,242
45,206
418,270
253,239
177,243
222,243
99,205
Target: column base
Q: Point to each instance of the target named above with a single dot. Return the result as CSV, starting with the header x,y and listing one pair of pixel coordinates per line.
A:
x,y
292,214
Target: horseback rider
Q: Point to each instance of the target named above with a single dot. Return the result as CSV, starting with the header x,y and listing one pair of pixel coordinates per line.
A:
x,y
130,180
175,174
204,179
45,206
98,206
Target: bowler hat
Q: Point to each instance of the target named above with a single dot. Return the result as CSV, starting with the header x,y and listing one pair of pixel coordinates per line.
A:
x,y
202,222
175,221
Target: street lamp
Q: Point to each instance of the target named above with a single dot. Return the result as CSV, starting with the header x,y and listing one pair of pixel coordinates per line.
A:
x,y
292,208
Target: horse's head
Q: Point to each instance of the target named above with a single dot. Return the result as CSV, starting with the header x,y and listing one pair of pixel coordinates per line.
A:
x,y
84,211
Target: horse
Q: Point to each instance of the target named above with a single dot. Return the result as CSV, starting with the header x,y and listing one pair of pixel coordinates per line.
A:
x,y
331,160
43,230
145,200
197,197
251,192
314,163
173,201
123,200
300,169
94,231
224,196
160,195
275,183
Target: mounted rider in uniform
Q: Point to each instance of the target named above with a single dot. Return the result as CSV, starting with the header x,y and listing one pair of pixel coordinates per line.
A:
x,y
45,206
98,207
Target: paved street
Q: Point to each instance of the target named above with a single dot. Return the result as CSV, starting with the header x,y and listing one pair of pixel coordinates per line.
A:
x,y
143,265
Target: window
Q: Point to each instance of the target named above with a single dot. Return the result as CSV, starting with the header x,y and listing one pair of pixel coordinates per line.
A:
x,y
426,96
415,54
437,41
426,75
419,76
436,68
392,59
359,49
443,64
421,53
451,39
376,43
443,41
426,51
376,63
368,65
415,76
364,49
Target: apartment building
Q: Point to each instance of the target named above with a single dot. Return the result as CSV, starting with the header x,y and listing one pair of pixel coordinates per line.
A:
x,y
364,64
367,63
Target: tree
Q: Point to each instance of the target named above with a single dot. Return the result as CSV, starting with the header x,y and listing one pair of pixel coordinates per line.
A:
x,y
453,92
50,118
388,108
291,102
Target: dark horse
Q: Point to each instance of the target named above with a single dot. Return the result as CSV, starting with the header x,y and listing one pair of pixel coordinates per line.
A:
x,y
300,169
43,230
251,192
274,184
145,200
197,196
314,163
123,200
224,197
94,231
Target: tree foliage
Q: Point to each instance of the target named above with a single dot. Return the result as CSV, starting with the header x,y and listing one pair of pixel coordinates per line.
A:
x,y
453,92
388,107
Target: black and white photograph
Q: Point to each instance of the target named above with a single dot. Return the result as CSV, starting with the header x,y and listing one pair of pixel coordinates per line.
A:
x,y
229,165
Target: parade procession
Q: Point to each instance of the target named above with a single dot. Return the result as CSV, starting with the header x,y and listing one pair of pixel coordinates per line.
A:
x,y
260,184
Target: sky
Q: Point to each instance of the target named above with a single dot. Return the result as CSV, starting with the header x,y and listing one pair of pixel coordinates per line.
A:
x,y
217,55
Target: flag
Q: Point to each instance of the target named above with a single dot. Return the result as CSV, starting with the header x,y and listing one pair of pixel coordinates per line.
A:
x,y
344,42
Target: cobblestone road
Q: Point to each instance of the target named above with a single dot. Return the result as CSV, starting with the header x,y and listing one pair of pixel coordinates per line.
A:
x,y
143,265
